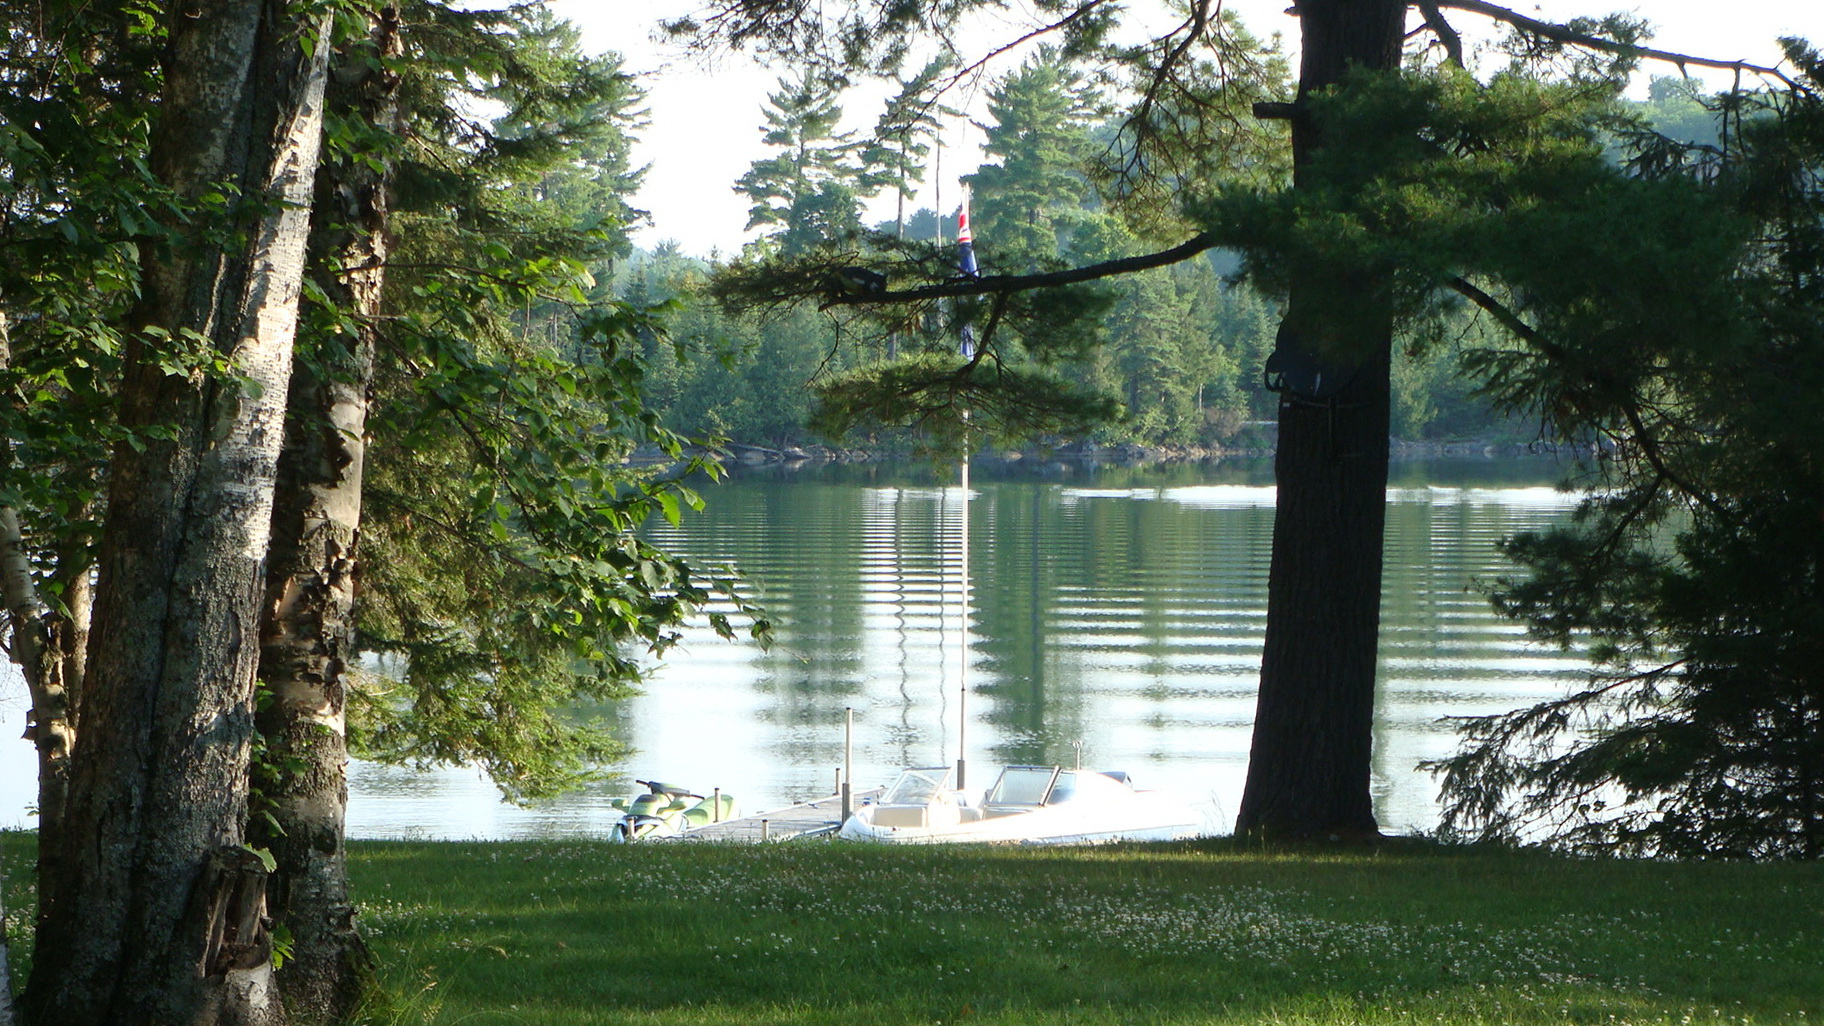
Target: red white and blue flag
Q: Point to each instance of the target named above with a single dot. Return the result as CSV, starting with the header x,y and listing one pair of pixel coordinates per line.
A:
x,y
965,242
965,263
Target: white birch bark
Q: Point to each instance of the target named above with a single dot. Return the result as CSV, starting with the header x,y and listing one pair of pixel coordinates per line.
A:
x,y
167,923
35,638
307,638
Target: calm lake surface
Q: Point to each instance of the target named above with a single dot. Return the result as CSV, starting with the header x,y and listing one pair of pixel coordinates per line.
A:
x,y
1119,608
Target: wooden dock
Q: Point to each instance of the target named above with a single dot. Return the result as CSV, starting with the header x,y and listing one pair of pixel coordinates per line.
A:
x,y
819,818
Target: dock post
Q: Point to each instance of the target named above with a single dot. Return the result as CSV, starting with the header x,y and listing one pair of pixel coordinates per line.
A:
x,y
848,764
715,809
765,834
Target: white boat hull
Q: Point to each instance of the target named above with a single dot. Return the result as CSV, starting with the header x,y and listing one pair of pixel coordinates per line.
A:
x,y
1083,808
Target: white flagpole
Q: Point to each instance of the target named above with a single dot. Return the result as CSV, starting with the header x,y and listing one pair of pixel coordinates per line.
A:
x,y
962,702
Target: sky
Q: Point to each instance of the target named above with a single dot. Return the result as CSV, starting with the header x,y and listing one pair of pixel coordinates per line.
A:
x,y
705,117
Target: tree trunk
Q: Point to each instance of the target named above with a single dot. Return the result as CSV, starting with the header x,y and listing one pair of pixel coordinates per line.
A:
x,y
9,544
36,635
70,632
308,634
305,640
41,641
157,920
1308,772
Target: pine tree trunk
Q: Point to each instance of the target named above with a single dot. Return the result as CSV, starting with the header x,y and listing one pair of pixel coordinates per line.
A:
x,y
1308,772
308,635
160,916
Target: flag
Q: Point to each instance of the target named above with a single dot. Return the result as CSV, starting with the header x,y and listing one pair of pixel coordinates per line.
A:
x,y
965,263
965,242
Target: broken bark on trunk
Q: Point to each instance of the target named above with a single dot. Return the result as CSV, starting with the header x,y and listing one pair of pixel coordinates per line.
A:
x,y
307,639
158,784
1308,771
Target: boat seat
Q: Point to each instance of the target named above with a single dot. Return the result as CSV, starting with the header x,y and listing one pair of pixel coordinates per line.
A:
x,y
900,815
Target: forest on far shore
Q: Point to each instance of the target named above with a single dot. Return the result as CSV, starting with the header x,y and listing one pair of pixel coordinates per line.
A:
x,y
1183,347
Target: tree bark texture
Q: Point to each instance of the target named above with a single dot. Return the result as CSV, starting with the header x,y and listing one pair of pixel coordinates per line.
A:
x,y
15,577
148,927
36,635
308,634
1308,772
45,643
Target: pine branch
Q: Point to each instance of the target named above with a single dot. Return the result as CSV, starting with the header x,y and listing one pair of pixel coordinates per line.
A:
x,y
1642,435
977,67
1434,20
1002,284
1507,317
1572,37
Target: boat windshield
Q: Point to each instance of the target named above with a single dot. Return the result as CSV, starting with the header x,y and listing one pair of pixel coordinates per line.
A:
x,y
1022,785
917,786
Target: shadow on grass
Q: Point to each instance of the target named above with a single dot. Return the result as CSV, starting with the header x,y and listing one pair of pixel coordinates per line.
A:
x,y
1211,932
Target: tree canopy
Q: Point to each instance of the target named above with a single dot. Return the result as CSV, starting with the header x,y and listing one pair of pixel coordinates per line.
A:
x,y
1693,570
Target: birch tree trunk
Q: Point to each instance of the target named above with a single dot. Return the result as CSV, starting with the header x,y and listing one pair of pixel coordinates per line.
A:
x,y
1308,771
34,638
308,635
44,643
167,924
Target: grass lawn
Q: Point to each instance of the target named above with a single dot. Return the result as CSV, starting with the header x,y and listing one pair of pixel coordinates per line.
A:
x,y
573,932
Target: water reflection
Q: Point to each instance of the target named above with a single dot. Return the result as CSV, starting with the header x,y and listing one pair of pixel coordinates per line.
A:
x,y
1123,609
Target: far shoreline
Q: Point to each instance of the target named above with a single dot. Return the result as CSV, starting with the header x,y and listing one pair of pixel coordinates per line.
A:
x,y
736,454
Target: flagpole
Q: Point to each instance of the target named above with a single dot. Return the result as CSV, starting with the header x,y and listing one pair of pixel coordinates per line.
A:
x,y
962,701
965,259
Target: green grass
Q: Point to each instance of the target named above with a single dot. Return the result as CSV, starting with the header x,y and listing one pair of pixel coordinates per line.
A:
x,y
580,932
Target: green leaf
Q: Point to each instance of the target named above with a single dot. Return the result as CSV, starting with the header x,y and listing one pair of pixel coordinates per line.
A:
x,y
668,503
270,864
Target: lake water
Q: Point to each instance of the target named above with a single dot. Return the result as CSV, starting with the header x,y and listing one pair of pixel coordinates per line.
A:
x,y
1116,608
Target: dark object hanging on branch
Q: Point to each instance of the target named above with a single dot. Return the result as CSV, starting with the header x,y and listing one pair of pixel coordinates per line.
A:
x,y
859,281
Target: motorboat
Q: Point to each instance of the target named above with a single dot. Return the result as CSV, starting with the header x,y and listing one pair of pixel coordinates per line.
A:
x,y
1026,805
666,810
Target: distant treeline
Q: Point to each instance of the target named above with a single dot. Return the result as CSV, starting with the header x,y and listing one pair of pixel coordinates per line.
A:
x,y
1182,347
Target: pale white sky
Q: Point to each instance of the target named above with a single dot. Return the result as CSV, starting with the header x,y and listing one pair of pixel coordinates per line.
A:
x,y
705,118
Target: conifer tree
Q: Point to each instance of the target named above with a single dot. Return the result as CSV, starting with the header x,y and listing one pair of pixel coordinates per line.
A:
x,y
1693,572
894,157
810,190
1034,193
